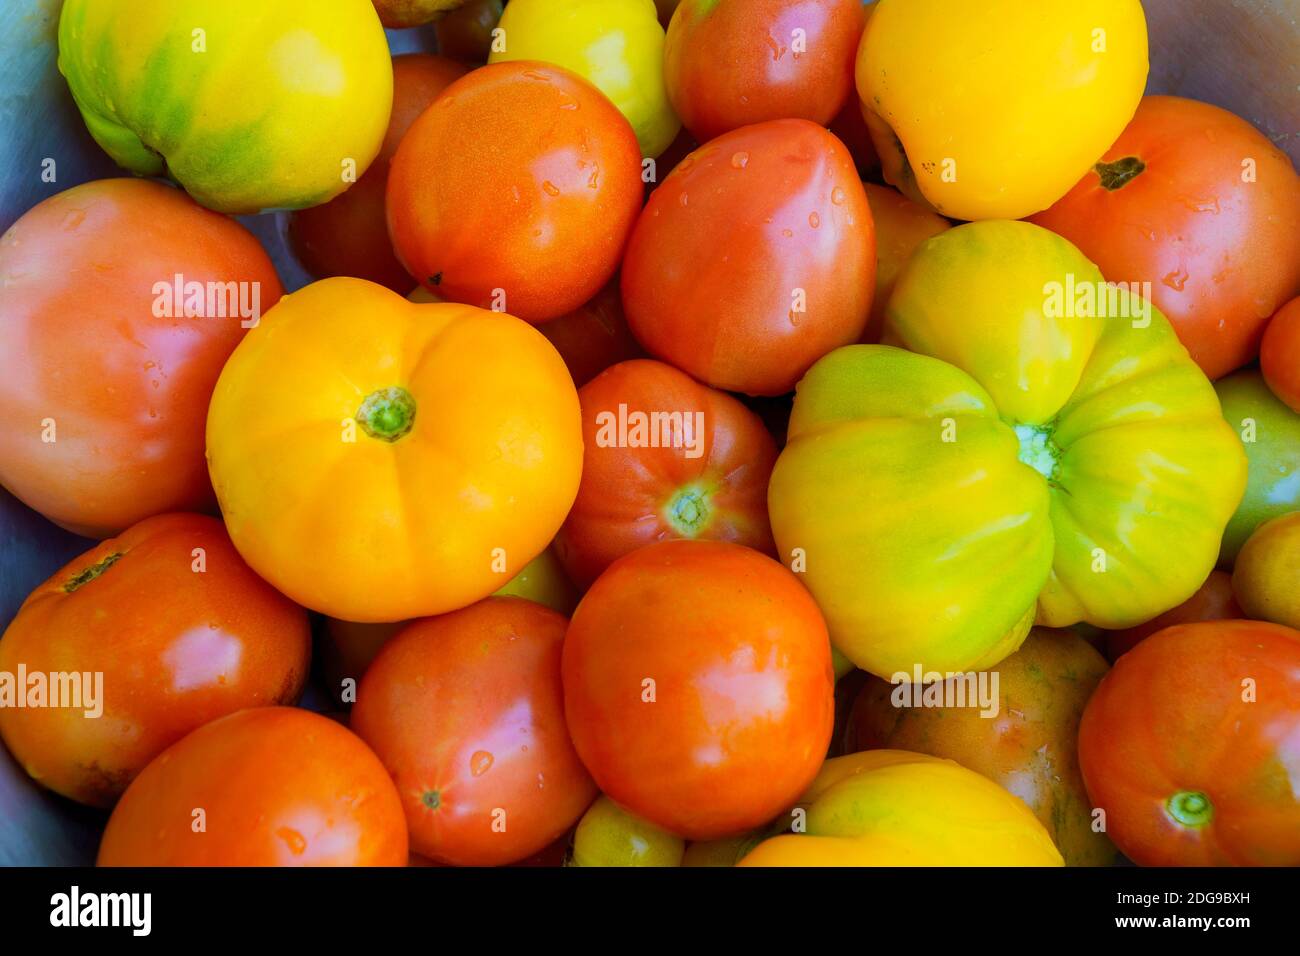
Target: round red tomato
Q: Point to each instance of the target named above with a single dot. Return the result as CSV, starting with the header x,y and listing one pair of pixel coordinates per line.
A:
x,y
1201,205
666,457
1279,355
698,686
105,372
1213,601
516,191
731,63
592,338
348,236
754,258
1190,745
270,786
466,712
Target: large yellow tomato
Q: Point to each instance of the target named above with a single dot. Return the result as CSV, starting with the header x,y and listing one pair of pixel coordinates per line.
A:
x,y
895,808
618,45
248,104
1035,456
378,459
992,109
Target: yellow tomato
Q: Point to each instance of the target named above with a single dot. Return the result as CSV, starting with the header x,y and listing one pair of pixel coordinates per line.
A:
x,y
608,835
1266,577
901,226
993,109
618,45
377,459
895,808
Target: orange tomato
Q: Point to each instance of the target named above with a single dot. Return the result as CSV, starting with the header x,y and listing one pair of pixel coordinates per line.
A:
x,y
1266,576
1279,355
901,226
1213,601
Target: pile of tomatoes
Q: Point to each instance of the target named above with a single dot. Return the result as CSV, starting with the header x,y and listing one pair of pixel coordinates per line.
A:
x,y
755,432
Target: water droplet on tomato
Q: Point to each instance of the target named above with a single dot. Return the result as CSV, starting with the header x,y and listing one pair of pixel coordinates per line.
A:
x,y
838,196
550,188
480,763
740,160
814,220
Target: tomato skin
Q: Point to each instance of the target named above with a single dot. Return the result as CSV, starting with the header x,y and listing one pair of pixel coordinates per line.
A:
x,y
482,197
465,34
1143,743
731,63
1279,355
1213,601
278,786
901,227
630,497
608,835
348,236
785,202
125,391
1221,254
1266,577
592,338
744,693
400,14
466,712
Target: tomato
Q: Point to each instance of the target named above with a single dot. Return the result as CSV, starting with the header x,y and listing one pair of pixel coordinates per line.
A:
x,y
851,129
608,835
270,786
1213,601
348,236
104,377
400,14
1025,461
901,226
492,206
986,112
248,105
1270,434
466,712
753,258
893,808
1190,746
725,852
665,457
698,686
1279,354
1200,205
617,45
1266,577
465,33
1025,742
733,63
378,460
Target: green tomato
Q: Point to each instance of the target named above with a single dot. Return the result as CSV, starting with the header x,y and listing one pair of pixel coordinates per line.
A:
x,y
608,835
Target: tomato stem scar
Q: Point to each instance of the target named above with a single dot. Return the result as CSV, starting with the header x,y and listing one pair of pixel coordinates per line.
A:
x,y
1191,808
92,572
387,413
1120,173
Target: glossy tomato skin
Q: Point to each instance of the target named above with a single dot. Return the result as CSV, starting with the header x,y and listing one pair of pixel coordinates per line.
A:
x,y
278,786
753,258
901,227
732,63
698,686
1211,220
712,486
1213,601
522,181
466,712
348,236
104,400
1279,355
1190,745
182,631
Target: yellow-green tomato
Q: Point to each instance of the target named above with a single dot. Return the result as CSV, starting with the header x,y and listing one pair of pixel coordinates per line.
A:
x,y
616,44
248,104
1266,579
1042,453
608,835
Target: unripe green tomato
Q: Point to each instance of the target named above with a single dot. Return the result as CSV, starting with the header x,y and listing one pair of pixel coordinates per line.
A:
x,y
608,835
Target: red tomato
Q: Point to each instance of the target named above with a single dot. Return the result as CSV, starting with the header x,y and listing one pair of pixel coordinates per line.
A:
x,y
731,63
592,338
1199,203
348,236
271,786
466,712
1213,601
182,632
698,686
702,474
1279,356
754,258
1191,742
516,191
105,400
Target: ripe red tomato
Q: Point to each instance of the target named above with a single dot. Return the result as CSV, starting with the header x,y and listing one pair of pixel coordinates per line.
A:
x,y
754,258
516,191
1213,601
182,632
348,236
731,63
270,786
104,379
466,712
698,686
1279,355
593,337
1203,206
706,477
1191,742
